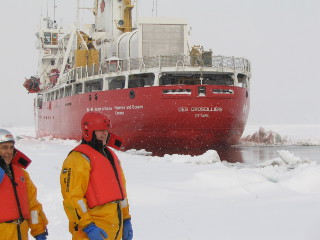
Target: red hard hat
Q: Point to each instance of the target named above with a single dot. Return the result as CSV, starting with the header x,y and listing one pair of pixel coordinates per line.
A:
x,y
92,121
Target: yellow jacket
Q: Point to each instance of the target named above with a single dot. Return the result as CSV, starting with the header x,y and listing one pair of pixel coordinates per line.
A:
x,y
74,181
37,221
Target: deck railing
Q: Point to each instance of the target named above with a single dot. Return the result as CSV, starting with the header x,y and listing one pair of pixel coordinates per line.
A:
x,y
217,63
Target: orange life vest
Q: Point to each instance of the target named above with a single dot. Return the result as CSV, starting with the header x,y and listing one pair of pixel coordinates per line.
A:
x,y
106,180
8,204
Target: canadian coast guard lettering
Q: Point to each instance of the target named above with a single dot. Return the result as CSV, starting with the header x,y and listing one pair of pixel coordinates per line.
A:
x,y
128,107
119,110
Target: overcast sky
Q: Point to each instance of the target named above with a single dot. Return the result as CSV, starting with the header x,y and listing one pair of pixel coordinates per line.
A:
x,y
281,38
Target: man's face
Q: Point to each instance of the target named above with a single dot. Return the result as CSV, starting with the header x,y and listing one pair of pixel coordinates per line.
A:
x,y
6,151
102,135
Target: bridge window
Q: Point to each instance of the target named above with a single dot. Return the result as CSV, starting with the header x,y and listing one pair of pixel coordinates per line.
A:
x,y
50,38
78,88
61,92
68,91
116,82
141,80
218,79
242,80
94,86
183,79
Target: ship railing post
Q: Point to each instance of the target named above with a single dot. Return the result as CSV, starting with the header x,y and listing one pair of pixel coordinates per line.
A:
x,y
73,74
234,63
246,65
242,64
104,67
222,63
159,62
142,65
87,68
218,62
100,68
119,68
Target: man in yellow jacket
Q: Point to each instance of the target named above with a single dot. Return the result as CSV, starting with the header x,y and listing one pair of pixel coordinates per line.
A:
x,y
19,207
93,185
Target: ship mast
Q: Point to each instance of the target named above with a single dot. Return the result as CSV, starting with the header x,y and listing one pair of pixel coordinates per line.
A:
x,y
54,10
127,17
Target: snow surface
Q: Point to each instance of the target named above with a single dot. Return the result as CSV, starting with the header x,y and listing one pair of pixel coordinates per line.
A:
x,y
180,197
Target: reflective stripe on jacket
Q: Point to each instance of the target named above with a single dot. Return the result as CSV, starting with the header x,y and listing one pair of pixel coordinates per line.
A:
x,y
105,184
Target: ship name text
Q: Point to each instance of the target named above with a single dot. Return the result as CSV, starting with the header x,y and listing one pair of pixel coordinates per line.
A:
x,y
200,109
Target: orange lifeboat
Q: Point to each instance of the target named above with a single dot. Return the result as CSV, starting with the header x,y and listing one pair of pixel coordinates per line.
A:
x,y
32,84
53,76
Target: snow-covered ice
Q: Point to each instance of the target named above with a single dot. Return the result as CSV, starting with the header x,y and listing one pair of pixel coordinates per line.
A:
x,y
179,197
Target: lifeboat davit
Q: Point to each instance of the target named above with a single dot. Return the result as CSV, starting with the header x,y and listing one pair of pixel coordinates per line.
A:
x,y
32,84
53,76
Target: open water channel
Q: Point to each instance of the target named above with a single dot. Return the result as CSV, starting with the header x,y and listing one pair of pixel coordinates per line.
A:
x,y
256,154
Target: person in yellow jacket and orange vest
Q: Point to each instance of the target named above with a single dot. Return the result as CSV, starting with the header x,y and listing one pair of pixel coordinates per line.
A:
x,y
19,207
93,184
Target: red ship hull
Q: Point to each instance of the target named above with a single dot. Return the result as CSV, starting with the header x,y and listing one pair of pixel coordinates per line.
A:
x,y
158,119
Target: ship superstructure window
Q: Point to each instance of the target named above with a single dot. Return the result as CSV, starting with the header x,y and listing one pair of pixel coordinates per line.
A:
x,y
51,96
116,82
68,91
39,101
47,38
242,80
94,86
223,91
141,80
56,94
50,38
195,79
54,38
181,79
218,79
78,88
61,92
